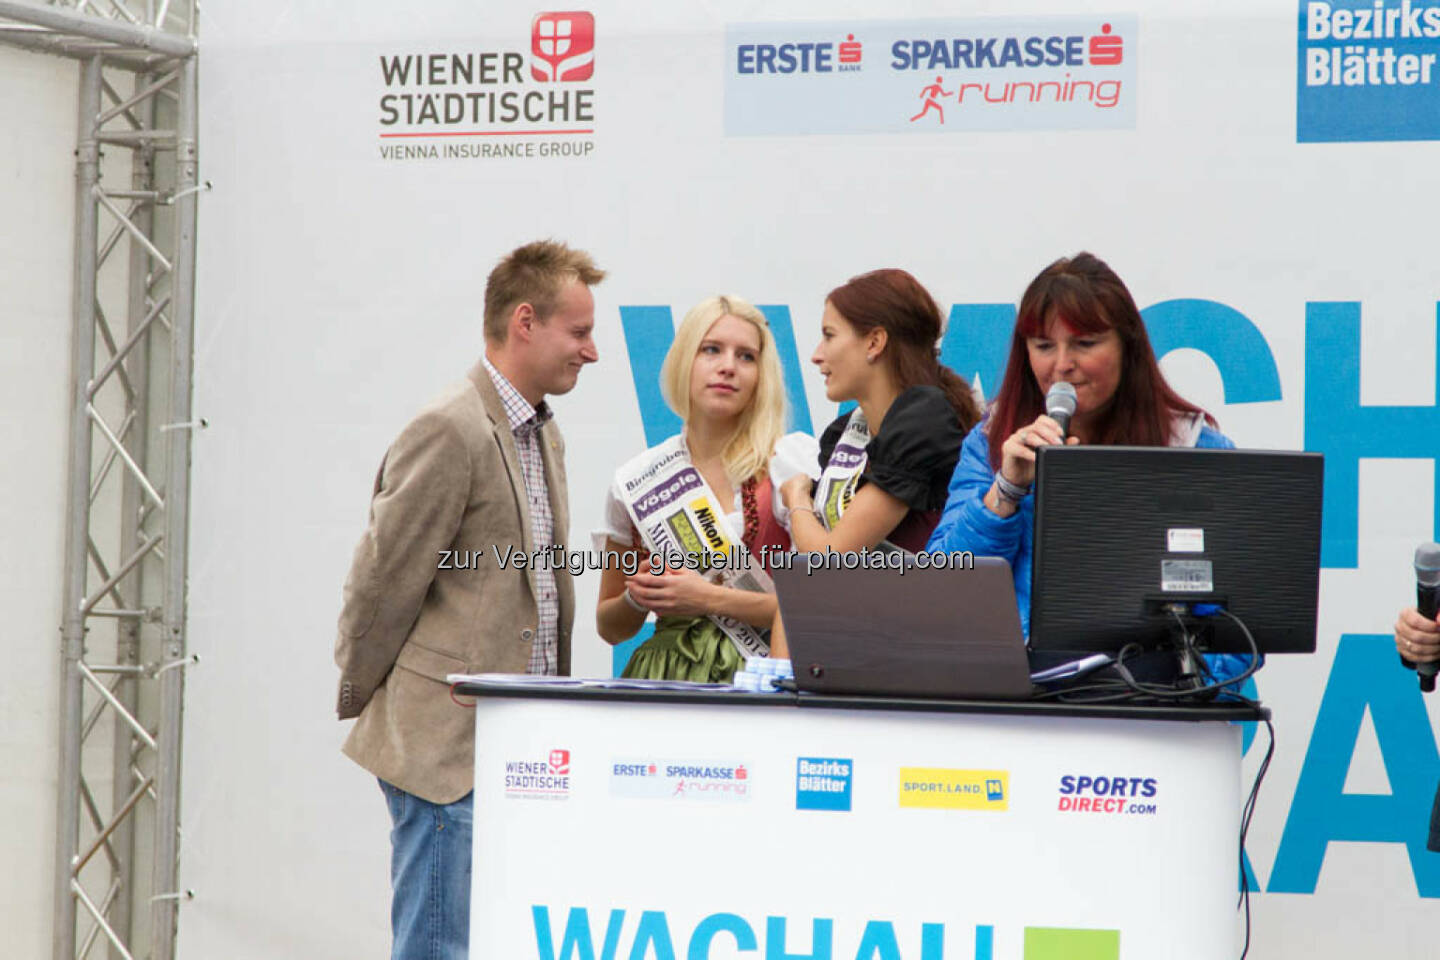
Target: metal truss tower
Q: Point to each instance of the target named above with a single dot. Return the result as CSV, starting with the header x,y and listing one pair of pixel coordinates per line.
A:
x,y
123,622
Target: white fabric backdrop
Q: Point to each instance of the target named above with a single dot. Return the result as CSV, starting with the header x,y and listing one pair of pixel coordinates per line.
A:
x,y
340,290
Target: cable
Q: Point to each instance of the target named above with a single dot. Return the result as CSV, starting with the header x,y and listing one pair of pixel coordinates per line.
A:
x,y
1246,814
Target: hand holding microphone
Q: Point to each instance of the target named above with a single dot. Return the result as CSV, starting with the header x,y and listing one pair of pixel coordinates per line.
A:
x,y
1017,466
1417,635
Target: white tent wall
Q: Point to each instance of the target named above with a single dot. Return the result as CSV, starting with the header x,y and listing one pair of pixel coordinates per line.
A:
x,y
37,188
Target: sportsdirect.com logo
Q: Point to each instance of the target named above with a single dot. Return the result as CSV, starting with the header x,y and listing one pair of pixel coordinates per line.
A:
x,y
945,789
1121,796
681,780
546,778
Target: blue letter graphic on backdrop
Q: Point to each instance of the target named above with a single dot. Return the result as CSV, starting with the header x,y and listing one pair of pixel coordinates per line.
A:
x,y
649,332
976,344
1363,675
716,923
577,942
1224,334
1338,426
822,940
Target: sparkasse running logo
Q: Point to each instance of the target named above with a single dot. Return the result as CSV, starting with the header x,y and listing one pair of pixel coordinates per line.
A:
x,y
680,780
1063,72
562,47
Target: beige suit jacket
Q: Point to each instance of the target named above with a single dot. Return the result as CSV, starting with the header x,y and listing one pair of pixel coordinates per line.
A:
x,y
450,482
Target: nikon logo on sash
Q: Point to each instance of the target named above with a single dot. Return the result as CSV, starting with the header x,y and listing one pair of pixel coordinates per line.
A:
x,y
676,513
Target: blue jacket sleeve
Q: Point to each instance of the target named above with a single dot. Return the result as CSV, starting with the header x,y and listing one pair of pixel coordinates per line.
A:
x,y
967,524
1223,666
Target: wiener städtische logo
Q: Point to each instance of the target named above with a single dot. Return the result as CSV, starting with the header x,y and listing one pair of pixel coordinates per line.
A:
x,y
495,98
945,788
544,777
1369,70
562,47
931,76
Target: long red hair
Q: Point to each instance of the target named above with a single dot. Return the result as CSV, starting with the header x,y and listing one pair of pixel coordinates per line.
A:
x,y
1088,296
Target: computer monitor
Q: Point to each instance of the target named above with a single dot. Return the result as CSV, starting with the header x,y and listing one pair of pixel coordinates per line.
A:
x,y
1124,533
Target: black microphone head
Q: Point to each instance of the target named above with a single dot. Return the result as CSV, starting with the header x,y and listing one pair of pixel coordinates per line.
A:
x,y
1060,403
1427,564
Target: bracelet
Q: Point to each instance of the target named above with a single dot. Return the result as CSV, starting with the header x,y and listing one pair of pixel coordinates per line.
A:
x,y
634,604
1012,492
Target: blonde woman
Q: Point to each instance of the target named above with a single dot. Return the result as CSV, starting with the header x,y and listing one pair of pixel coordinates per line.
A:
x,y
716,483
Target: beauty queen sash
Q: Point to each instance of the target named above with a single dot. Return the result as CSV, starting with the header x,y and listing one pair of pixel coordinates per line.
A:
x,y
680,518
836,486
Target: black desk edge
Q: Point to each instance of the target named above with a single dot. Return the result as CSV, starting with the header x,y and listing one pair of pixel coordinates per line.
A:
x,y
1221,710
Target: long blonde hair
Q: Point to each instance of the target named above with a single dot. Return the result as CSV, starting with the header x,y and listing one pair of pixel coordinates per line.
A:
x,y
762,422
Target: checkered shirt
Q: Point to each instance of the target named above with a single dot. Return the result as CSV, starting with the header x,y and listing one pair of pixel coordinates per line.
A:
x,y
525,424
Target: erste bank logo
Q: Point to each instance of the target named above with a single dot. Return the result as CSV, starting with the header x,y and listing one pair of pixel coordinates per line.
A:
x,y
932,76
941,788
562,47
823,783
1115,795
679,780
1369,70
800,56
540,778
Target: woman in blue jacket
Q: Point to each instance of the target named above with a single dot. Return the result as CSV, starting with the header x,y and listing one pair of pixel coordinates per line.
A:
x,y
1078,323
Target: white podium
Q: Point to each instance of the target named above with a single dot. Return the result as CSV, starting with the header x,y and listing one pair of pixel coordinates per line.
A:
x,y
630,826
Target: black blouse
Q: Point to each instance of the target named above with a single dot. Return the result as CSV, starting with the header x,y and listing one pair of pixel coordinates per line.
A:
x,y
911,459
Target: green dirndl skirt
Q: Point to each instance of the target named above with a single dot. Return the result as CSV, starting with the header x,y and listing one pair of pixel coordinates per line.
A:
x,y
686,648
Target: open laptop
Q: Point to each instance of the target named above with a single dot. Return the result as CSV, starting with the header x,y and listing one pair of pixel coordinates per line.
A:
x,y
910,632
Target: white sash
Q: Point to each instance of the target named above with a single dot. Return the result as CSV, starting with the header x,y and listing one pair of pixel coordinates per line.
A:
x,y
680,518
836,486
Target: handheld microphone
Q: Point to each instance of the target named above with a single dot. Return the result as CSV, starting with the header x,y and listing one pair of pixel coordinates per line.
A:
x,y
1427,601
1060,406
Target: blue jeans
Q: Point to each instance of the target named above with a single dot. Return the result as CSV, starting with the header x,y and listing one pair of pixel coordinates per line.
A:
x,y
429,876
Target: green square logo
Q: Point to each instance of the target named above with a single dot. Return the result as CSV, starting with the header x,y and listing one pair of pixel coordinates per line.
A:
x,y
1060,943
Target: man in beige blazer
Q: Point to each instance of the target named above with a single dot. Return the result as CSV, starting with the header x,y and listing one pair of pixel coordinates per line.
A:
x,y
480,468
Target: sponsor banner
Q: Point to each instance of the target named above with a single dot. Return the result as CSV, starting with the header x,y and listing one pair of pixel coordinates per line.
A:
x,y
1368,70
539,778
823,783
942,788
1117,795
931,76
697,780
493,99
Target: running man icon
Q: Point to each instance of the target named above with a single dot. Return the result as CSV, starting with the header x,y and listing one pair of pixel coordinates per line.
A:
x,y
931,93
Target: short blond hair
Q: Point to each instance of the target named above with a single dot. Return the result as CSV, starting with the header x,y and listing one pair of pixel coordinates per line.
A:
x,y
761,424
533,274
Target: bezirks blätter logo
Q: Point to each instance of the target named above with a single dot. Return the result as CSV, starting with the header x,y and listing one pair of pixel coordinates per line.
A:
x,y
562,46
